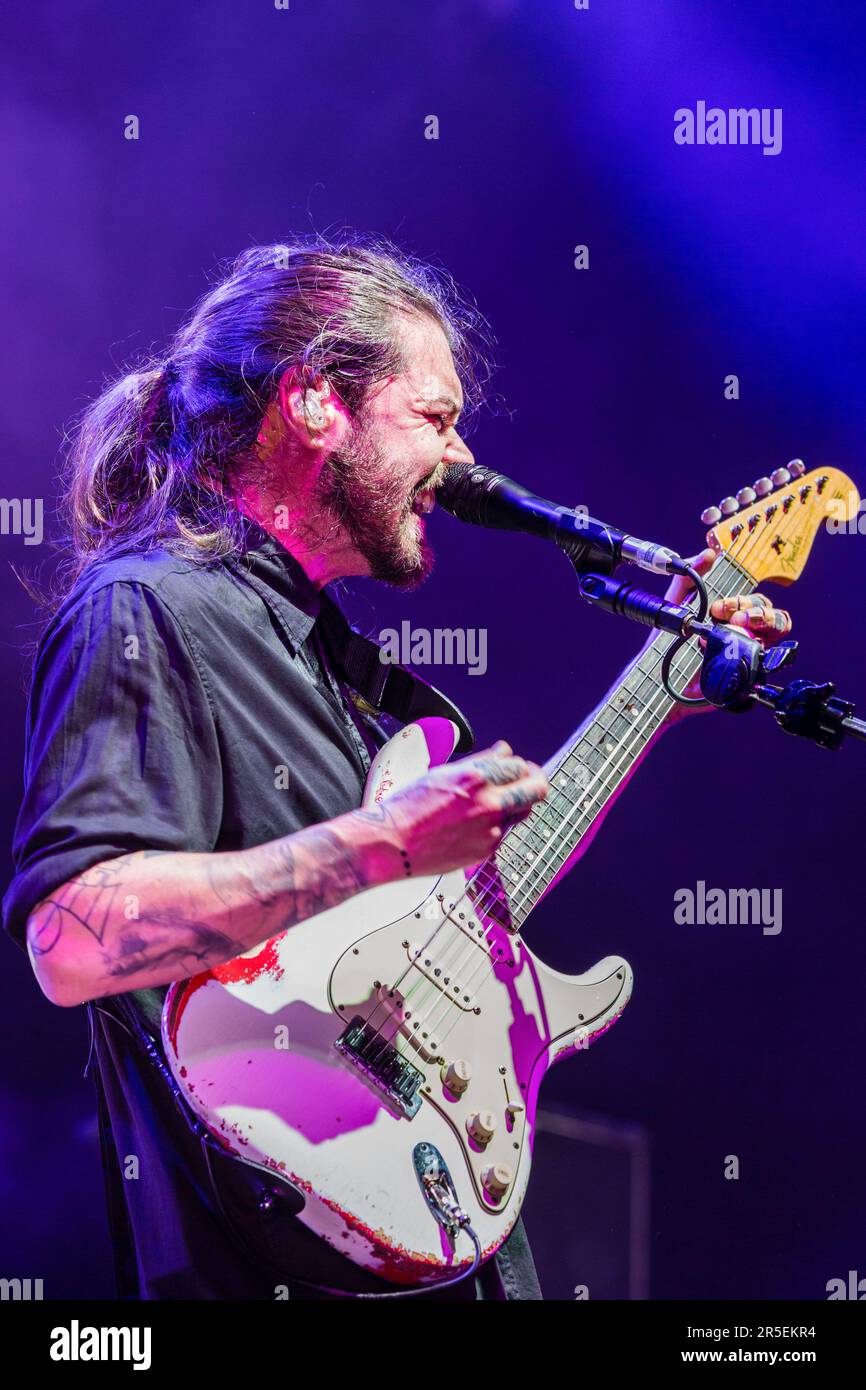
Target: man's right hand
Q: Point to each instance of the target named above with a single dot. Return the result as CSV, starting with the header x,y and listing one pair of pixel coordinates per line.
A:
x,y
456,815
195,910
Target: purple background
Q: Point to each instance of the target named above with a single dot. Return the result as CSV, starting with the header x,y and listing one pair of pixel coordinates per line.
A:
x,y
556,128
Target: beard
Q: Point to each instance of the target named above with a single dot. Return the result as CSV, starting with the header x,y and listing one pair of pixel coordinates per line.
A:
x,y
367,498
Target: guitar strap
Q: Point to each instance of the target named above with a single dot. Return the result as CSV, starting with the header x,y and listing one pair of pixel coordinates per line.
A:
x,y
384,685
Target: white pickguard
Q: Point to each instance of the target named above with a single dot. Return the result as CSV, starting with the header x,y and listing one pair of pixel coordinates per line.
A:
x,y
252,1045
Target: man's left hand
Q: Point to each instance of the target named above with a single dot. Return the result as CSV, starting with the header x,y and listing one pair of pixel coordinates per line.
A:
x,y
754,612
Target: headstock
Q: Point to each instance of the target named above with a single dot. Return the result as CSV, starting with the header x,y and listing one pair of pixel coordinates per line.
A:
x,y
769,528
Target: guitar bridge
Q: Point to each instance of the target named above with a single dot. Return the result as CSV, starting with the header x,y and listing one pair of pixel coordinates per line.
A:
x,y
383,1065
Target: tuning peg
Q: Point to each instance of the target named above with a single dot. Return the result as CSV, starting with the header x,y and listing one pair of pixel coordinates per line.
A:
x,y
729,505
746,496
796,468
762,486
780,477
711,516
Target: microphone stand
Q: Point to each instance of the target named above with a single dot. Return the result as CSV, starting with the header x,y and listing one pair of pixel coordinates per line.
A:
x,y
735,666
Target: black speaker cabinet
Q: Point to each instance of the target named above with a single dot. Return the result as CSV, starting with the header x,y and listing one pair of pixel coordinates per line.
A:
x,y
587,1212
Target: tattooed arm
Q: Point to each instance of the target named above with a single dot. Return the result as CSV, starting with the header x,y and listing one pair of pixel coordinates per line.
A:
x,y
152,917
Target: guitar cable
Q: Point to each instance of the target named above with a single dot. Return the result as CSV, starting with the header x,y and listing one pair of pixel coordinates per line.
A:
x,y
679,642
208,1143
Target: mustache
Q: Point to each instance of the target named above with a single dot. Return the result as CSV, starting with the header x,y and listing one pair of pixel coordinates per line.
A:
x,y
434,479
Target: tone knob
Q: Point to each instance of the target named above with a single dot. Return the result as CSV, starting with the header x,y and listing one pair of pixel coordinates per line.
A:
x,y
481,1125
711,516
746,496
796,468
729,505
456,1075
497,1178
762,486
780,477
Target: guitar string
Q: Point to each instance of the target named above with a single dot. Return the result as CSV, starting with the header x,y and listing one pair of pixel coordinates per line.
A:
x,y
588,805
429,987
749,579
585,804
752,551
652,708
483,901
753,541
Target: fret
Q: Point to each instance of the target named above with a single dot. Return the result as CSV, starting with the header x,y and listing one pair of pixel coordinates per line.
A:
x,y
606,738
532,837
604,719
592,757
545,819
643,687
557,809
581,777
510,860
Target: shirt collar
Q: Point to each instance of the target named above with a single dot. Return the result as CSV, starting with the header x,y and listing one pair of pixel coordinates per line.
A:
x,y
265,561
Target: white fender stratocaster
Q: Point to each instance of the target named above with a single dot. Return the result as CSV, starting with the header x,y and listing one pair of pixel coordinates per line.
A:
x,y
385,1057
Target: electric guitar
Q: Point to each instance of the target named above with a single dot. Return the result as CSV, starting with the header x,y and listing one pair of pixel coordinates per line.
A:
x,y
385,1057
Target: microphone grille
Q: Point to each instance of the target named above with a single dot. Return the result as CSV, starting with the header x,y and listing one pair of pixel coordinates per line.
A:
x,y
463,486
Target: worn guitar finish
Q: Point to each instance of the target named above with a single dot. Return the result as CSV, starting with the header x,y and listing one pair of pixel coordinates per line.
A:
x,y
412,1026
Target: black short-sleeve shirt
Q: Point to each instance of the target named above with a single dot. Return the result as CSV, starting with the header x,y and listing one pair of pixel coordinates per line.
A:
x,y
176,706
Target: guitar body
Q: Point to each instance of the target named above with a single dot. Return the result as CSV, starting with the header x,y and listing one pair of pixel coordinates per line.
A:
x,y
323,1055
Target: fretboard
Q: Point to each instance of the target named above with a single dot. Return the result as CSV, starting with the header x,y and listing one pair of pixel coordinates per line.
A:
x,y
588,773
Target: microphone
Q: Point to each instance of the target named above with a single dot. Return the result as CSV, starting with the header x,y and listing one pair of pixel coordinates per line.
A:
x,y
484,498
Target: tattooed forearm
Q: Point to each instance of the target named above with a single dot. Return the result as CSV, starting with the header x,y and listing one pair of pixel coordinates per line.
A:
x,y
184,948
152,917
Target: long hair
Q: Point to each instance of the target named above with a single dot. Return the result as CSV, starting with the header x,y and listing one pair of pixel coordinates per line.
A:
x,y
156,459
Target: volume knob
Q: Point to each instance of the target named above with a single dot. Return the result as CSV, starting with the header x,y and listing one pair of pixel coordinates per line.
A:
x,y
497,1178
481,1125
456,1075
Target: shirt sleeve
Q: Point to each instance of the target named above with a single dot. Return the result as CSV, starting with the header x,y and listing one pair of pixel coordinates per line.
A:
x,y
121,751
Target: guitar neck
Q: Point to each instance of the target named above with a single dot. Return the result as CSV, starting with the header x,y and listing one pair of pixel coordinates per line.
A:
x,y
589,772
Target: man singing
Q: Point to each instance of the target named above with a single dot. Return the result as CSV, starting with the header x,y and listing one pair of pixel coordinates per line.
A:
x,y
195,757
